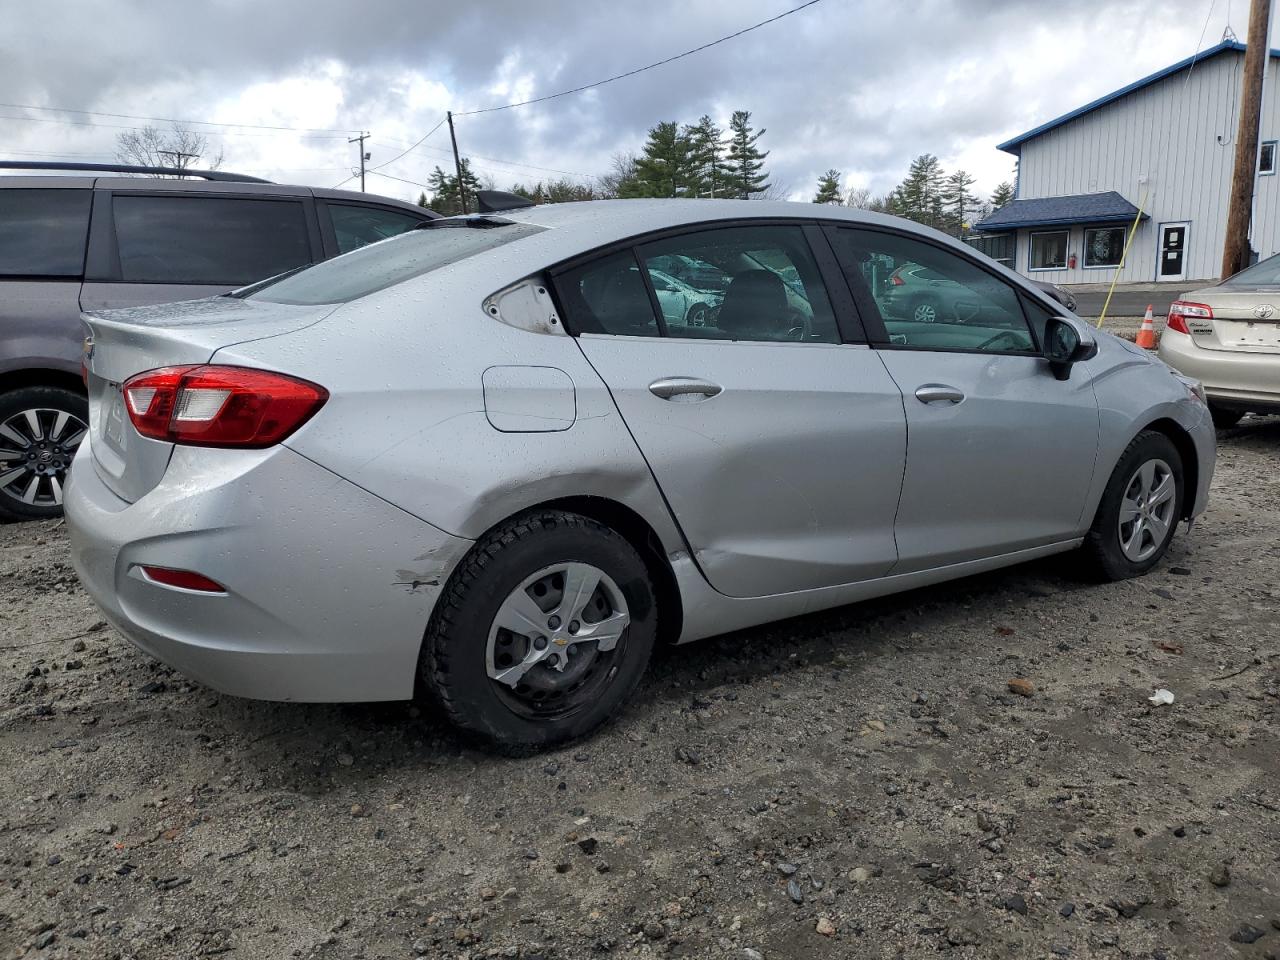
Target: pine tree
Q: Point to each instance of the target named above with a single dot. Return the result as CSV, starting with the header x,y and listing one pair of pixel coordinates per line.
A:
x,y
829,188
1002,194
444,190
744,160
920,196
423,201
958,202
706,149
665,169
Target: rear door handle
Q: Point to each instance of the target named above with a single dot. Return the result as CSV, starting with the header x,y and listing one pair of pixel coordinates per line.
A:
x,y
938,393
684,389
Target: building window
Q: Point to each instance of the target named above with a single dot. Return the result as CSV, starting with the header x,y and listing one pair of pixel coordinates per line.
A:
x,y
1049,250
1103,246
997,246
1267,158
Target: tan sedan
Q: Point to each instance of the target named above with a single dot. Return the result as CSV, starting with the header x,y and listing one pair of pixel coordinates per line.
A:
x,y
1228,337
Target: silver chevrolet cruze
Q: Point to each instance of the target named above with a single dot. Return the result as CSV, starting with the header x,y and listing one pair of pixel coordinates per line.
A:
x,y
482,463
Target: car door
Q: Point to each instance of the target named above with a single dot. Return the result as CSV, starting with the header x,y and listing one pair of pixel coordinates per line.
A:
x,y
158,247
777,442
1000,454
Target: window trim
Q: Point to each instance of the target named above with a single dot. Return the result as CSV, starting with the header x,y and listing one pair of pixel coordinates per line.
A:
x,y
1084,253
1274,149
102,265
870,310
1031,240
845,307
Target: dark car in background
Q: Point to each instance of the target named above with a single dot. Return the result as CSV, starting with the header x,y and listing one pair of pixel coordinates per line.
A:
x,y
73,242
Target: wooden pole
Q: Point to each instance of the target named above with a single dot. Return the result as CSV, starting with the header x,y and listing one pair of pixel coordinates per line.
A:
x,y
1235,251
457,164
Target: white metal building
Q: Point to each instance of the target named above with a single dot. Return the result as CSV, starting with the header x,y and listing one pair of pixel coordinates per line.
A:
x,y
1165,144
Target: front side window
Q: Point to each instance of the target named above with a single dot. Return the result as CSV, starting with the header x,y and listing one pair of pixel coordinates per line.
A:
x,y
223,241
741,283
355,225
1103,246
933,299
1267,157
43,232
1049,250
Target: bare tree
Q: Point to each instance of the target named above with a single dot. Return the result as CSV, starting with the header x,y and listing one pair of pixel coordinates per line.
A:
x,y
859,198
623,171
179,147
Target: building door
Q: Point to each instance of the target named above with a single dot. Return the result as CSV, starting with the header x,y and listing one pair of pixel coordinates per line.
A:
x,y
1172,264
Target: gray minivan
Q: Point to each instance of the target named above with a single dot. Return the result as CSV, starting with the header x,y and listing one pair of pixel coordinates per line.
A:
x,y
83,242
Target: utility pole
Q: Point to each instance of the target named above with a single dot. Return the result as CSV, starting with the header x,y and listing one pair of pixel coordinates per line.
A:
x,y
180,158
364,134
457,163
1235,252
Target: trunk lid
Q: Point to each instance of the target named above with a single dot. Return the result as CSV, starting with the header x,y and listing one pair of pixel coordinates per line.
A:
x,y
1245,320
123,343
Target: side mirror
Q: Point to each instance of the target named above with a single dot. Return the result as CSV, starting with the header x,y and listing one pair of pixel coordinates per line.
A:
x,y
1067,341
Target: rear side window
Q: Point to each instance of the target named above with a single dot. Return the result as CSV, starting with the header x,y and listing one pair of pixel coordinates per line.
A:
x,y
212,240
371,269
354,225
43,232
608,296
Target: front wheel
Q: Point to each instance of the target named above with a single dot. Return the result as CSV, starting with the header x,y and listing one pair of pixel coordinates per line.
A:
x,y
541,634
40,429
1139,509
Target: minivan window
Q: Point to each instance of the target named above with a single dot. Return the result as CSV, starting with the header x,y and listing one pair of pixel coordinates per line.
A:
x,y
43,232
354,225
378,266
220,241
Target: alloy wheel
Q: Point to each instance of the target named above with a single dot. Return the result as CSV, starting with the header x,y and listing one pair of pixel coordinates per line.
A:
x,y
36,448
925,313
553,641
1146,510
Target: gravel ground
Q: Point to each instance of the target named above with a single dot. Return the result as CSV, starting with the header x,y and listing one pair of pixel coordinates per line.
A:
x,y
859,783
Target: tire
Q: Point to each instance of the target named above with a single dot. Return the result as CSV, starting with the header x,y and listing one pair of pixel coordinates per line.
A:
x,y
697,316
465,647
1224,417
1104,549
43,448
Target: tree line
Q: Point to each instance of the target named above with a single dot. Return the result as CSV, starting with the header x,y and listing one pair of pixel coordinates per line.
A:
x,y
928,195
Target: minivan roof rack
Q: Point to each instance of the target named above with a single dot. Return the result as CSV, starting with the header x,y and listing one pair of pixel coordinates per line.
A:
x,y
129,168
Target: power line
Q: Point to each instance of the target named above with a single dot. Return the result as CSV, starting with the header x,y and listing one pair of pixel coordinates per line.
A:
x,y
205,123
416,144
125,126
632,73
512,163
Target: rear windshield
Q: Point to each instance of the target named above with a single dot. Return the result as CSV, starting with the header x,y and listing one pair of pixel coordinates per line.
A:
x,y
381,265
1263,274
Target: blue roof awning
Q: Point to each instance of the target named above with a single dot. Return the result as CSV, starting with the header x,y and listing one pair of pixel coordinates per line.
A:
x,y
1107,207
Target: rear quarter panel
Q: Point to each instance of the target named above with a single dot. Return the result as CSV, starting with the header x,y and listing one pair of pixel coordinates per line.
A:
x,y
40,325
406,417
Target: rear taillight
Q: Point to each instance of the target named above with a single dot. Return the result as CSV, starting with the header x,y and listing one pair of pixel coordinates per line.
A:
x,y
213,406
1179,310
896,280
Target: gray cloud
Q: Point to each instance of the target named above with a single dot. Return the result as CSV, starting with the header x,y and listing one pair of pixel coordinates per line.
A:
x,y
858,85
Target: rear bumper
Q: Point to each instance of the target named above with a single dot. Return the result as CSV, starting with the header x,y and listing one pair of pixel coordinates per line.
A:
x,y
1250,381
329,588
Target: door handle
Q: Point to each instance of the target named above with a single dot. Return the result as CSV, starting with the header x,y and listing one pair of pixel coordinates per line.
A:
x,y
937,393
684,388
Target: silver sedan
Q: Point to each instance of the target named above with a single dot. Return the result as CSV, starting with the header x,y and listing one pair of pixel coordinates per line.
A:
x,y
482,463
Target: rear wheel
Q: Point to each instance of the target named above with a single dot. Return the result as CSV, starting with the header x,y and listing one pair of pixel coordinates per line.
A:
x,y
925,311
541,634
1139,509
1224,417
40,429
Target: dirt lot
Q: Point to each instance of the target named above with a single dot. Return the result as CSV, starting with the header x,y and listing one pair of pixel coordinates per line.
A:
x,y
861,783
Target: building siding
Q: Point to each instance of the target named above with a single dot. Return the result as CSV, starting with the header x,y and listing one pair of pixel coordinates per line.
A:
x,y
1159,148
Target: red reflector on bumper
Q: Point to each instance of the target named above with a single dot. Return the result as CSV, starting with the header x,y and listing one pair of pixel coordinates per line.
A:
x,y
184,579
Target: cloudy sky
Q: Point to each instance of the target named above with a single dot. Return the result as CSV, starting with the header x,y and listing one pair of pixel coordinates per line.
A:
x,y
858,85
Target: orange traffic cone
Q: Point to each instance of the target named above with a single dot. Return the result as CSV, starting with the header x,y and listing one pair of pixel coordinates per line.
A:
x,y
1147,335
